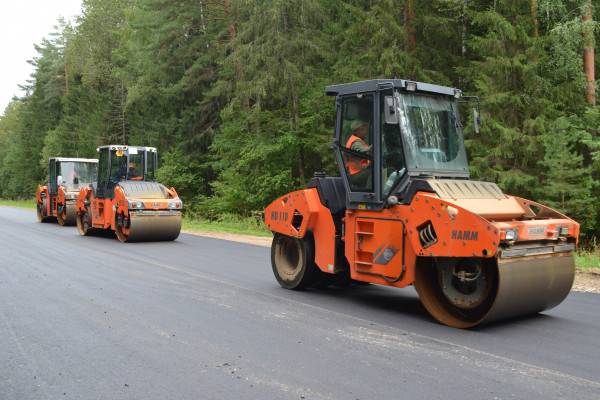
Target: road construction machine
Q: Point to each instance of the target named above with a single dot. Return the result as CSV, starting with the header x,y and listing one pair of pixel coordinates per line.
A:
x,y
56,200
405,212
127,199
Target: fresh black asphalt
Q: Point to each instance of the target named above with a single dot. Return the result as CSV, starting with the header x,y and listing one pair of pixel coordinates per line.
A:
x,y
200,318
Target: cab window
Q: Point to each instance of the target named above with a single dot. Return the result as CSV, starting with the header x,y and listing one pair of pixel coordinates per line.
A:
x,y
150,166
393,165
356,140
118,166
135,165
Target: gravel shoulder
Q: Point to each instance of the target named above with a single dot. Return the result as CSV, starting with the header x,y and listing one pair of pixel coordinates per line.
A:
x,y
585,281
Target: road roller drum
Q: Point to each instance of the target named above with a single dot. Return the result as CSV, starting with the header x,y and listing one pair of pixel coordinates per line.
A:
x,y
513,287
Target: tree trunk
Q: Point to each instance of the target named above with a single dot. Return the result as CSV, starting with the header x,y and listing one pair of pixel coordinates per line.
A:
x,y
463,33
296,128
123,125
534,18
588,54
66,78
409,22
203,22
231,28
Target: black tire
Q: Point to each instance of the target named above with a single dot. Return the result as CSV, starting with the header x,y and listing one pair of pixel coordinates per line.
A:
x,y
293,262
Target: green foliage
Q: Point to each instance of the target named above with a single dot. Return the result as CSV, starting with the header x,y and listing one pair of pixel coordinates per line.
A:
x,y
231,92
567,183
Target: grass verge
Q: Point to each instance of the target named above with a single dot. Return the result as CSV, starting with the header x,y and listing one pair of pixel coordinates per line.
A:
x,y
29,203
228,224
588,261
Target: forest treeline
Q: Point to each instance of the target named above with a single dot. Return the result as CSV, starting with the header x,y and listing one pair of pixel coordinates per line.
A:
x,y
232,91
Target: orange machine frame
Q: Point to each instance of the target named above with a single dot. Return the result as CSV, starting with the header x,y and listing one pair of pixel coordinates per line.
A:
x,y
383,246
105,210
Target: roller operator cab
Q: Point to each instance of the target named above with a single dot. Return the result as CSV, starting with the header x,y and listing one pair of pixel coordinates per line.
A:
x,y
405,212
56,199
126,198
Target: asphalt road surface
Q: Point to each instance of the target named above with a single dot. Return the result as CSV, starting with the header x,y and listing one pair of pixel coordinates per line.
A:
x,y
199,318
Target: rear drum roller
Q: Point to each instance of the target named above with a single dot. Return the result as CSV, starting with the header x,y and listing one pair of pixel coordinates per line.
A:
x,y
465,292
66,215
292,261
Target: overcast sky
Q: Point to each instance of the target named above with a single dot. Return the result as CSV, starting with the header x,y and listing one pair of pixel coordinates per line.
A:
x,y
23,23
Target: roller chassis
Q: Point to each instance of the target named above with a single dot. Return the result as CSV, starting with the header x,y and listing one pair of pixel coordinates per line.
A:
x,y
59,207
387,247
114,214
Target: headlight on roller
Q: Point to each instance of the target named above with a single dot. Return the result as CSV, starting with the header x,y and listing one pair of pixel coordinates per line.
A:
x,y
563,231
175,205
136,205
510,235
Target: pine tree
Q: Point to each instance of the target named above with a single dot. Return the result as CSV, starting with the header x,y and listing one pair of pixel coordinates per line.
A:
x,y
567,183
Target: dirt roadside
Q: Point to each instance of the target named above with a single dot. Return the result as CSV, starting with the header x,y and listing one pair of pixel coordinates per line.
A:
x,y
233,237
585,281
588,282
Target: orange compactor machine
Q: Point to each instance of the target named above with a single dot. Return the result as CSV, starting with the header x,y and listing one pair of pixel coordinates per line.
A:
x,y
405,212
57,198
126,198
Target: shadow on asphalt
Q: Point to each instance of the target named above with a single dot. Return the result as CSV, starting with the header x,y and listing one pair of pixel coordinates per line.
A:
x,y
405,303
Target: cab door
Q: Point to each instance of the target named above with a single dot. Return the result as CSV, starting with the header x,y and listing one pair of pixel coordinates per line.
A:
x,y
359,165
101,188
52,175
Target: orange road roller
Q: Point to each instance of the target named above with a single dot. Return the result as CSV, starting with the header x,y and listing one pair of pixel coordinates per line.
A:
x,y
125,197
405,212
56,199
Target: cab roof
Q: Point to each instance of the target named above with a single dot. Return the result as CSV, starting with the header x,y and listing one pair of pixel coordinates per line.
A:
x,y
381,84
66,159
124,147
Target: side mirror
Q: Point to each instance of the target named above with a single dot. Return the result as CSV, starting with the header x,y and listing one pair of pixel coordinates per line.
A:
x,y
59,180
476,113
390,110
476,121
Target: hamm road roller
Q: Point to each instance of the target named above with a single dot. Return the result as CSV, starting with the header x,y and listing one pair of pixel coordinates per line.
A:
x,y
57,198
126,198
405,212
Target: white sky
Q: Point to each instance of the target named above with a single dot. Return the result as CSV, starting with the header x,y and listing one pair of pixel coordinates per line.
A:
x,y
23,23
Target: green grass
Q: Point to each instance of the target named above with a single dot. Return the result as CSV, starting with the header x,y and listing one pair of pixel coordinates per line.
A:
x,y
228,224
588,260
18,203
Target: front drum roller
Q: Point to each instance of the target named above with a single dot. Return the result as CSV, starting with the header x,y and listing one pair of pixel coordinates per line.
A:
x,y
148,226
463,293
68,215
